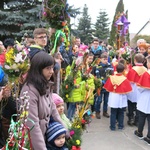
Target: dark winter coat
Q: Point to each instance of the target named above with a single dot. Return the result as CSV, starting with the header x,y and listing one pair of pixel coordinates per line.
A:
x,y
102,71
50,147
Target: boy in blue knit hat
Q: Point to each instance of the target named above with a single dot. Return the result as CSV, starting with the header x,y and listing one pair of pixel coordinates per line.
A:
x,y
55,136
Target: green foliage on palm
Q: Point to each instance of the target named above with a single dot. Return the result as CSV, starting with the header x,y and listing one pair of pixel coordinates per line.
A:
x,y
98,83
66,87
68,84
75,139
56,12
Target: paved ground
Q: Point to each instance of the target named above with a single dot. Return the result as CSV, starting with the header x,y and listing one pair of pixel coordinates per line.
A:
x,y
100,137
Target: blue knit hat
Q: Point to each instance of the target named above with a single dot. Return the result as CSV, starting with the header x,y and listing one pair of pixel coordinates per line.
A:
x,y
54,130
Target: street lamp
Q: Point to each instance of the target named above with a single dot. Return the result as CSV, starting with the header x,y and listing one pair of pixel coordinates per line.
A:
x,y
119,27
119,33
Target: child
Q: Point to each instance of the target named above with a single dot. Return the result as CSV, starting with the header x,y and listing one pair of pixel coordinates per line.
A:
x,y
118,86
133,76
60,107
143,104
127,66
55,136
76,96
102,71
88,78
82,50
42,107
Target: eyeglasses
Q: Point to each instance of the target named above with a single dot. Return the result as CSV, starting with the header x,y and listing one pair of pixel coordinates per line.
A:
x,y
42,37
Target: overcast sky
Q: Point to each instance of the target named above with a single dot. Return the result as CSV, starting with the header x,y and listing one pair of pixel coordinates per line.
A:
x,y
138,11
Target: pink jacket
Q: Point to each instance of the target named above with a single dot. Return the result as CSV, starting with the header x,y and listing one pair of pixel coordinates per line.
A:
x,y
40,110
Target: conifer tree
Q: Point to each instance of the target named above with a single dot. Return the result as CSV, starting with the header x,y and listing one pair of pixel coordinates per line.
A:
x,y
127,38
19,17
119,9
102,26
84,26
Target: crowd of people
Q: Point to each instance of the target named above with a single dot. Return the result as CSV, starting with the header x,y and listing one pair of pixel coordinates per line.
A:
x,y
115,81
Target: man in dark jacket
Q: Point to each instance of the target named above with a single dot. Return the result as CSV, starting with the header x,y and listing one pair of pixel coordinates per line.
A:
x,y
40,38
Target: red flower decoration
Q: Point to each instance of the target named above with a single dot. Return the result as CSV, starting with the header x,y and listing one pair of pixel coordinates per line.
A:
x,y
75,148
72,132
83,121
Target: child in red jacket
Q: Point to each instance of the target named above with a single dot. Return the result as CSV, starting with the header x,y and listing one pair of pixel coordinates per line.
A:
x,y
133,76
118,87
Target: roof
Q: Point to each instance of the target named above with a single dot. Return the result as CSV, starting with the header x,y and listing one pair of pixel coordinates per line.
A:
x,y
145,30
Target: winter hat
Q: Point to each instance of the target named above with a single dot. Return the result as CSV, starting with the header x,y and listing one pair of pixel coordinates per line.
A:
x,y
54,130
84,47
57,99
9,42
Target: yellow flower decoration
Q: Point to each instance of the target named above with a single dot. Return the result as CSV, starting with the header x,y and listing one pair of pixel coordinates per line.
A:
x,y
10,56
78,126
78,142
67,48
67,95
24,113
16,62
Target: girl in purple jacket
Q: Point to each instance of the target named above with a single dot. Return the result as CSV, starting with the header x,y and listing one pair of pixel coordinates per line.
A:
x,y
41,106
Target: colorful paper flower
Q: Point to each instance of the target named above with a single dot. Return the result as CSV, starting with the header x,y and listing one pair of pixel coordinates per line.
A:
x,y
72,132
83,121
44,14
78,142
16,62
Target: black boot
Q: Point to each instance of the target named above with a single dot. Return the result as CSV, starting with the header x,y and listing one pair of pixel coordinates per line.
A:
x,y
130,122
105,114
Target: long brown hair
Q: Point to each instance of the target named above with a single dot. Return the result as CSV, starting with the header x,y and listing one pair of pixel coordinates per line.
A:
x,y
35,76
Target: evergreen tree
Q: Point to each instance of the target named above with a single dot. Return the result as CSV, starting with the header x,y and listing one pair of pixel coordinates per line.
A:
x,y
127,38
19,17
84,26
102,26
113,35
